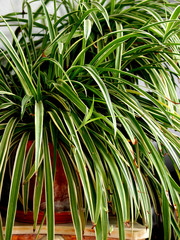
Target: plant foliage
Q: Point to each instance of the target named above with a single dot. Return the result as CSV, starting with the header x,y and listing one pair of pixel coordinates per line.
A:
x,y
100,82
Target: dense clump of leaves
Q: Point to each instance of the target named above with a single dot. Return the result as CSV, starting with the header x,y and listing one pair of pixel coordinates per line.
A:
x,y
99,82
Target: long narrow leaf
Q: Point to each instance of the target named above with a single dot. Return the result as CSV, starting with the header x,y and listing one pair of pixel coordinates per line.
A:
x,y
48,188
25,187
37,194
174,15
4,147
166,217
72,195
39,116
50,26
15,185
30,19
1,230
80,164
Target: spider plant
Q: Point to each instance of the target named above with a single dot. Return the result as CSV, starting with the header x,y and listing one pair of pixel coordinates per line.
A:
x,y
100,82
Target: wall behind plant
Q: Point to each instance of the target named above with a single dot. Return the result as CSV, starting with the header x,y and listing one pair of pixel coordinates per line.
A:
x,y
8,6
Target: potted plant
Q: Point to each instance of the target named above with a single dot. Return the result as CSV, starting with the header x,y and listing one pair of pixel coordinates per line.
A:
x,y
99,84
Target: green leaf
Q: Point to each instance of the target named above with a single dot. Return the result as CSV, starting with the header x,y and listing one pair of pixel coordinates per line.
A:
x,y
94,17
79,157
104,216
72,195
23,59
174,16
87,116
103,11
25,187
111,46
39,117
60,37
5,142
116,178
49,22
87,29
113,3
78,24
175,185
37,194
175,225
54,137
25,100
1,230
104,91
120,220
166,216
55,12
126,126
99,193
59,124
98,230
6,93
91,148
8,114
66,90
60,47
92,71
22,75
48,188
30,19
119,50
42,223
32,170
15,185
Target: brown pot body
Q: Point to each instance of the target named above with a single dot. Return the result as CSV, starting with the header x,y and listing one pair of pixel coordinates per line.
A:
x,y
61,197
60,217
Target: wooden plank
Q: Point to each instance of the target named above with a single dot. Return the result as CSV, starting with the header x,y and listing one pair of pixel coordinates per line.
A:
x,y
62,237
137,232
26,237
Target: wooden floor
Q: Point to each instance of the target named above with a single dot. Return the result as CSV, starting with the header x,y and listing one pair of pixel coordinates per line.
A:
x,y
67,232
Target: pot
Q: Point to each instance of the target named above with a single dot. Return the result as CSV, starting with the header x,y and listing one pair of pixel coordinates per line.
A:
x,y
61,196
60,217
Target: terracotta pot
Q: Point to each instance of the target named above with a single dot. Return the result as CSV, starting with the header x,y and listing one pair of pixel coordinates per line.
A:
x,y
61,197
60,217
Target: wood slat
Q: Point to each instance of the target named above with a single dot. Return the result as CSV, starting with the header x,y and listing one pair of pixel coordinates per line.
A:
x,y
63,237
67,231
